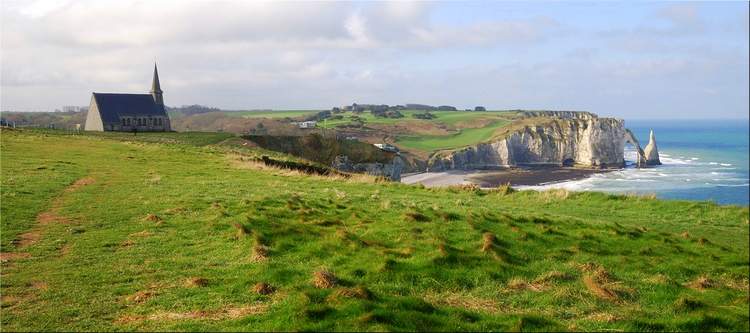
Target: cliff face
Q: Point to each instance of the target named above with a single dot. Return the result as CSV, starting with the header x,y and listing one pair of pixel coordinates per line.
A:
x,y
390,170
569,139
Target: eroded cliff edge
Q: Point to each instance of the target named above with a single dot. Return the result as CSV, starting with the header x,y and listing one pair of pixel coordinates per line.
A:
x,y
555,138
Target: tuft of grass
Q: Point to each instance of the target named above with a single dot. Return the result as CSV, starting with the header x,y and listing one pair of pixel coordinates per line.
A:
x,y
449,216
688,304
701,283
324,279
415,216
602,284
242,231
196,282
488,241
358,292
598,288
263,288
503,190
152,218
555,195
259,253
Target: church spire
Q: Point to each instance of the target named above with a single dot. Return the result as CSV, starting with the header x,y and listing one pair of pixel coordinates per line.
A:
x,y
156,88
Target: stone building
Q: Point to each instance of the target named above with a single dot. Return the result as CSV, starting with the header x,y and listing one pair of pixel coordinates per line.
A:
x,y
129,112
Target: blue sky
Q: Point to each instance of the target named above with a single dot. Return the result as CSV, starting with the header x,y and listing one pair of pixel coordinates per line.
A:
x,y
623,59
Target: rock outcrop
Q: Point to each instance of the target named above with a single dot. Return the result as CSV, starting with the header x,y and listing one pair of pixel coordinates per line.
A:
x,y
563,139
652,152
640,155
391,170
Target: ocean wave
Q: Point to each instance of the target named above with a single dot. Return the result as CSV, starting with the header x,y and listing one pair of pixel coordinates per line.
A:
x,y
674,161
677,174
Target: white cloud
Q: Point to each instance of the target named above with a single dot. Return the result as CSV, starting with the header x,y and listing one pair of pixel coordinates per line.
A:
x,y
241,54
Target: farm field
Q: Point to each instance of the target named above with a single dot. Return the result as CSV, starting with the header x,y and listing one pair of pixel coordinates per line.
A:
x,y
451,118
463,128
464,137
180,231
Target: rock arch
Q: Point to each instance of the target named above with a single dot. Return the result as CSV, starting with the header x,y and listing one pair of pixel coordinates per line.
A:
x,y
630,137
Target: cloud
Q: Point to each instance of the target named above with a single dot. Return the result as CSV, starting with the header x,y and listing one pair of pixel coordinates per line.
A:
x,y
682,16
238,54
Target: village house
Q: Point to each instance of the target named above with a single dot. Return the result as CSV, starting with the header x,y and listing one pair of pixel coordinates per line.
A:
x,y
307,124
129,112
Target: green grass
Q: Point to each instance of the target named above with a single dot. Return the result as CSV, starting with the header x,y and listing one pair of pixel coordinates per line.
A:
x,y
442,117
271,114
464,137
407,258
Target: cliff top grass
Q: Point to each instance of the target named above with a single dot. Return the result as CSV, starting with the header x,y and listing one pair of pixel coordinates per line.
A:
x,y
178,232
271,114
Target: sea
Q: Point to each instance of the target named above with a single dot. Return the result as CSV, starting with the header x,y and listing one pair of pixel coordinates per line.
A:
x,y
701,160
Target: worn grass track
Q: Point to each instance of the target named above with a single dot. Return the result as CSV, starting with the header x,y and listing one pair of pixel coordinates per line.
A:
x,y
175,235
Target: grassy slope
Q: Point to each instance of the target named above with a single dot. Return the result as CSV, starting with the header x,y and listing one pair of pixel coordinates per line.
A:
x,y
416,250
464,137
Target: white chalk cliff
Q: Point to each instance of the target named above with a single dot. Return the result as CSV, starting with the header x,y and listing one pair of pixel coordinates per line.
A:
x,y
559,139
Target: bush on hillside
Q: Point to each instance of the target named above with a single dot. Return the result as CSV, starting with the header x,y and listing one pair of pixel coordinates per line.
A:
x,y
425,115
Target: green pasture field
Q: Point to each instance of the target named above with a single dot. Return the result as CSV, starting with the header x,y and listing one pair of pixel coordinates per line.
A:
x,y
465,137
442,117
177,231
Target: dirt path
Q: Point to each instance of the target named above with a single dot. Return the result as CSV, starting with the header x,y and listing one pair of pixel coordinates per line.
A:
x,y
52,215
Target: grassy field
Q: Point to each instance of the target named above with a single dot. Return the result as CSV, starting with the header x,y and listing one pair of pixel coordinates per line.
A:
x,y
469,127
271,114
464,137
441,117
179,232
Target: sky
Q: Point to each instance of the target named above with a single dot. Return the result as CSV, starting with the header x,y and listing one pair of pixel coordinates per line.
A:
x,y
622,59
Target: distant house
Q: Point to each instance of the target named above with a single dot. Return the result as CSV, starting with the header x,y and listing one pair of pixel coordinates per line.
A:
x,y
386,147
129,112
307,124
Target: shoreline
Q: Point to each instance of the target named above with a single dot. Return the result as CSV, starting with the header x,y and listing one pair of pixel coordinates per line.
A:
x,y
517,176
